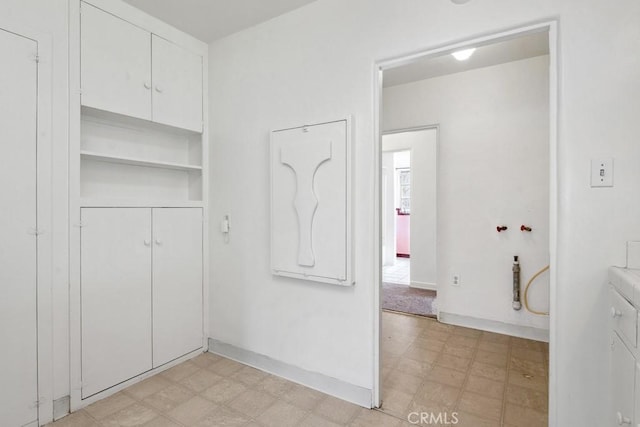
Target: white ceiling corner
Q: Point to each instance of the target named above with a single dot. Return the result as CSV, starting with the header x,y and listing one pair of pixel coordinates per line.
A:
x,y
209,20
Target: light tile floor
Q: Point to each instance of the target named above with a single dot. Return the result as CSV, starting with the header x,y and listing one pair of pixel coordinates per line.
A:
x,y
398,272
489,379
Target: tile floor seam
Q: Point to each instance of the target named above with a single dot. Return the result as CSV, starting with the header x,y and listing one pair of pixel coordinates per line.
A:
x,y
467,374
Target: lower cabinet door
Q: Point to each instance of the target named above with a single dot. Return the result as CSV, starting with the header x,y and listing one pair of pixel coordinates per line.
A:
x,y
177,283
115,296
623,367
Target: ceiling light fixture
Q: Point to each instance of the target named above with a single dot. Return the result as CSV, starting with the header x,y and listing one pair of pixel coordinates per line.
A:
x,y
459,1
463,55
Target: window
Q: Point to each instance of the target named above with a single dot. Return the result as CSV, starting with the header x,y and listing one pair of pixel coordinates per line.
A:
x,y
404,187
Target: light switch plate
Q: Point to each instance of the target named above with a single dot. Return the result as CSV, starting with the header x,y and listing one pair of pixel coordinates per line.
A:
x,y
602,172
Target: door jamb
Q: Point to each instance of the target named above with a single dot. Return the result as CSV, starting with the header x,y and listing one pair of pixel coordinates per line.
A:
x,y
551,27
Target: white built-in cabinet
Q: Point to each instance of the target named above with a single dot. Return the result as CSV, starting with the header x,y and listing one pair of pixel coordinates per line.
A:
x,y
138,191
141,283
130,71
625,354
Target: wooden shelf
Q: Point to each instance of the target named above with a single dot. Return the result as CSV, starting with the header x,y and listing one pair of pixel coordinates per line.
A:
x,y
137,162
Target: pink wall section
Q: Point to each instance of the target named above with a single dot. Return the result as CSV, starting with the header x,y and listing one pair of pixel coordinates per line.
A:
x,y
402,234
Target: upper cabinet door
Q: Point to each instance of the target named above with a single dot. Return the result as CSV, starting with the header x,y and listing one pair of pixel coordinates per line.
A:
x,y
116,64
177,86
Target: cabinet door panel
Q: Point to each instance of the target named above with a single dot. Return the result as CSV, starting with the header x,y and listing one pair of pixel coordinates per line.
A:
x,y
177,86
18,264
177,283
116,296
623,376
116,64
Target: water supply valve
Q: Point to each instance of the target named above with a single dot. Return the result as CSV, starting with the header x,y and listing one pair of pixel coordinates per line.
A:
x,y
525,228
501,228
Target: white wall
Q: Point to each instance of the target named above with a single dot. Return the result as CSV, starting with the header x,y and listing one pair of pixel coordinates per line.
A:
x,y
422,234
316,63
388,209
50,17
494,170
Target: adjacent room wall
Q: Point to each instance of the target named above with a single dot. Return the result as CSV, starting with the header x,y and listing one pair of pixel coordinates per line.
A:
x,y
316,64
423,147
50,17
493,170
388,214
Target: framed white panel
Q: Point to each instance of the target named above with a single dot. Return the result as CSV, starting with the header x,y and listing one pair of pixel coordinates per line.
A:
x,y
310,202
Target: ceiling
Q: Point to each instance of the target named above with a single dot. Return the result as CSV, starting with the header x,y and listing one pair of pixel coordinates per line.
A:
x,y
209,20
501,52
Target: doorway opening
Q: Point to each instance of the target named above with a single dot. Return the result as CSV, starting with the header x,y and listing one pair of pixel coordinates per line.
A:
x,y
409,221
496,177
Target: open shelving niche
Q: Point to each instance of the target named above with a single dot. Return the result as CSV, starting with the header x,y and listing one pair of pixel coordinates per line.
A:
x,y
126,161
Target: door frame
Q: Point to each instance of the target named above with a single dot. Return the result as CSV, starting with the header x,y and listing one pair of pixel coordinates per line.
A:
x,y
551,27
433,127
44,217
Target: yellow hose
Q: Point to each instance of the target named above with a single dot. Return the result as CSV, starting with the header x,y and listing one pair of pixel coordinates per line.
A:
x,y
526,289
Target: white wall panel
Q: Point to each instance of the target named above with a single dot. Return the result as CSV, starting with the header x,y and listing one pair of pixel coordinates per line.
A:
x,y
310,215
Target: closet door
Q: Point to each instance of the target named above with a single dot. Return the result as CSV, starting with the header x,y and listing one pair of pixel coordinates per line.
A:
x,y
177,283
177,86
18,328
116,296
116,64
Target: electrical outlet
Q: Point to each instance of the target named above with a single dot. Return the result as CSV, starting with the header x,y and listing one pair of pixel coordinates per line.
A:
x,y
455,280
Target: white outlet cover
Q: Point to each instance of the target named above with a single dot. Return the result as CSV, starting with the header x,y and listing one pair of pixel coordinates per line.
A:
x,y
602,172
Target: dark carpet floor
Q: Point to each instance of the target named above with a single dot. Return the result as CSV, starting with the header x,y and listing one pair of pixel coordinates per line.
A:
x,y
410,300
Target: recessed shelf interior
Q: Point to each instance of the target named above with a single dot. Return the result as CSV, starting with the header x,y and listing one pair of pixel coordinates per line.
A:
x,y
128,158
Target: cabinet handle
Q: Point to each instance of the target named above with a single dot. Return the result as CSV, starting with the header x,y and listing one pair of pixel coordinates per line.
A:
x,y
615,313
158,242
159,89
147,85
622,419
147,242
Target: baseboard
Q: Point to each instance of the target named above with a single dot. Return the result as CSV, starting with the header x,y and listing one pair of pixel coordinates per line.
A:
x,y
346,391
529,332
61,407
424,285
